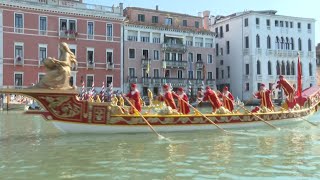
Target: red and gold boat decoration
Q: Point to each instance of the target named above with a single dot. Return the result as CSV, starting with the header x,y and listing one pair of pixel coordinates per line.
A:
x,y
70,114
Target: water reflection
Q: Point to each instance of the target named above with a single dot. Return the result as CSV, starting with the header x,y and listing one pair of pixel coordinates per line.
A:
x,y
35,147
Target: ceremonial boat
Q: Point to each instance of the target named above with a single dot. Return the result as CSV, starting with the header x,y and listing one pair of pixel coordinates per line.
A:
x,y
71,115
61,105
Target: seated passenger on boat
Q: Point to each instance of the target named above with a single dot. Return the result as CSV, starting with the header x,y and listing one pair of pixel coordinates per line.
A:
x,y
134,98
182,97
167,97
289,91
211,96
265,96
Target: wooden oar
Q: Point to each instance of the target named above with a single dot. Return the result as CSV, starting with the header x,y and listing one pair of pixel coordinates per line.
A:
x,y
299,117
256,116
159,136
195,109
244,104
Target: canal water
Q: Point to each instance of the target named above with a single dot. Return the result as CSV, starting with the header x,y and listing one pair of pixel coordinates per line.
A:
x,y
31,148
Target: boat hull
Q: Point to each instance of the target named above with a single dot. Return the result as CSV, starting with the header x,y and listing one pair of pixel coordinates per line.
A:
x,y
71,115
68,127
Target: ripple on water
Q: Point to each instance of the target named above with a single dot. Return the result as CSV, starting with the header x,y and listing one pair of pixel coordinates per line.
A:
x,y
253,154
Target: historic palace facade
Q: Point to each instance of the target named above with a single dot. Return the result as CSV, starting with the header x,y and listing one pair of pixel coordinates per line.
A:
x,y
166,47
31,30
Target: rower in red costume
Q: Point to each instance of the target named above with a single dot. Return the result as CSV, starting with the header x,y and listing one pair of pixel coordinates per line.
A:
x,y
227,98
289,91
183,106
167,97
134,98
265,96
211,96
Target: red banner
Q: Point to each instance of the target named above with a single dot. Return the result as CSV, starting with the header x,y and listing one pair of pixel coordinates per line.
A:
x,y
299,82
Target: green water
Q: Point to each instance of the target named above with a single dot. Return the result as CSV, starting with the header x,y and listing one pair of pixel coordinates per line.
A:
x,y
31,148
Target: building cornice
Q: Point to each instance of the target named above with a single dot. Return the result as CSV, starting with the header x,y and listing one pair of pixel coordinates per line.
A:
x,y
60,10
250,13
173,29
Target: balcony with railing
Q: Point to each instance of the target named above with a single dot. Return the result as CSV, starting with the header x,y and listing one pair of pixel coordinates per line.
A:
x,y
90,64
246,51
40,62
310,53
109,65
199,64
68,34
145,62
157,81
19,61
133,79
174,47
211,82
94,8
269,52
259,51
175,64
146,81
259,77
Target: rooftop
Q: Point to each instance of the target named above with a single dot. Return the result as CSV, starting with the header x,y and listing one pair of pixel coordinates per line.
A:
x,y
159,11
72,7
263,12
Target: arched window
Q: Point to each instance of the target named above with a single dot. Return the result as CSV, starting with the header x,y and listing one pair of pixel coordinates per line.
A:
x,y
288,68
310,69
283,68
293,67
258,67
309,45
299,45
268,42
278,68
258,41
287,43
277,43
282,43
292,44
269,68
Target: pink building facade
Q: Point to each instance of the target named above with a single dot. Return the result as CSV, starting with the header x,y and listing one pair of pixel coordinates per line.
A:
x,y
31,30
165,47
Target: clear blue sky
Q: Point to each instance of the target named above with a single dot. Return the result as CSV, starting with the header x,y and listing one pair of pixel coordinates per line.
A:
x,y
306,8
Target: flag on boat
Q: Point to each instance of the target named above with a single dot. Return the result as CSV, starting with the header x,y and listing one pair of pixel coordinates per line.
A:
x,y
83,91
202,88
102,92
299,81
92,91
189,88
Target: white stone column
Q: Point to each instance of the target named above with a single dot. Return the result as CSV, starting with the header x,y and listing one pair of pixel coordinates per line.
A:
x,y
193,41
139,39
162,38
1,48
151,38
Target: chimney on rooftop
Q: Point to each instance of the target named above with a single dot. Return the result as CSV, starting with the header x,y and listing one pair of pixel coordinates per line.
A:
x,y
121,8
157,7
199,14
206,15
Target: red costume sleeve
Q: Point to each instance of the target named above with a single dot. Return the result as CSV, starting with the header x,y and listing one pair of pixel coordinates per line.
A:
x,y
230,96
206,97
258,95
